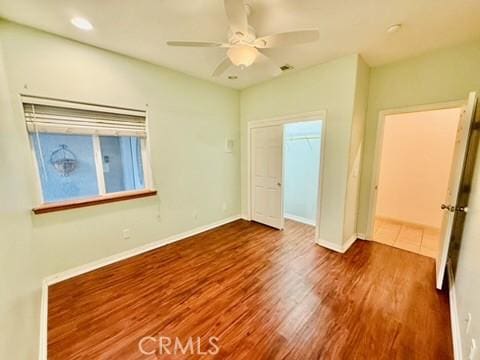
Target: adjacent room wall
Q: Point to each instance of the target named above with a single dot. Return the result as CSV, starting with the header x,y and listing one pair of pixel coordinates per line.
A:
x,y
301,160
440,76
197,181
417,152
331,87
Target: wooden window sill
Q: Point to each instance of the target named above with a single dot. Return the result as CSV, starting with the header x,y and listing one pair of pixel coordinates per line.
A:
x,y
103,199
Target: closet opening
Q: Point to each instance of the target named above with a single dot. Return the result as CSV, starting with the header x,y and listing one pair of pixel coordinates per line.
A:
x,y
302,144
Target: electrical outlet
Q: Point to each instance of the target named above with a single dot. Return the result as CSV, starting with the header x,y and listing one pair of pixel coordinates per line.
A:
x,y
224,206
473,350
195,215
126,233
468,320
229,144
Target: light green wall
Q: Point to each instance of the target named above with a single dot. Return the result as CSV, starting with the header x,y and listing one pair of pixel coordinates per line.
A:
x,y
188,122
467,277
356,150
330,87
19,282
441,76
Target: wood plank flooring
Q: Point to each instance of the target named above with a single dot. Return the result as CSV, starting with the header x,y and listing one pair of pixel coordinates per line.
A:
x,y
265,294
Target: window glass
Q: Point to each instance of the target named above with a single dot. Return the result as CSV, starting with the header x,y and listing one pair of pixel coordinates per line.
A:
x,y
122,163
66,165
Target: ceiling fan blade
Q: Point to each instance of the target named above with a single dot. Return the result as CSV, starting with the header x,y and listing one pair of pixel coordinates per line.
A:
x,y
222,67
273,68
287,39
196,44
237,16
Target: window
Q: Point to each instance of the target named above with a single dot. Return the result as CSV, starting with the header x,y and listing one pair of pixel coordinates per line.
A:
x,y
58,182
87,152
122,163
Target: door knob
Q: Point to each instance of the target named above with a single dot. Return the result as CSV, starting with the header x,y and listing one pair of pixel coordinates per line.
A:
x,y
279,184
452,208
447,207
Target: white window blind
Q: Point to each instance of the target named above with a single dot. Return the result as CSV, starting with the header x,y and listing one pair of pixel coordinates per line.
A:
x,y
65,117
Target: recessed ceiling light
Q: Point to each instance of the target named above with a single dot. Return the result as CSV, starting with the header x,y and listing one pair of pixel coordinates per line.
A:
x,y
82,23
394,28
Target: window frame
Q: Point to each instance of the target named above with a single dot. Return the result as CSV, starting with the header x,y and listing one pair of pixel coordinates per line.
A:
x,y
101,175
102,197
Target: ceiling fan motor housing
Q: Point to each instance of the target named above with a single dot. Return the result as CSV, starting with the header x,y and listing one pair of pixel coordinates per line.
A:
x,y
238,37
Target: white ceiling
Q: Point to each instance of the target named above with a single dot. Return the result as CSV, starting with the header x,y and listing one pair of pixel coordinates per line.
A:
x,y
140,28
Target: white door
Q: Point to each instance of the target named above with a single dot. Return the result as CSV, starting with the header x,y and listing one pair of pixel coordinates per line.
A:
x,y
450,205
267,174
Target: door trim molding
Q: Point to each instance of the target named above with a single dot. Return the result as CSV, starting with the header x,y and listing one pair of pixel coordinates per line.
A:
x,y
319,115
292,118
372,203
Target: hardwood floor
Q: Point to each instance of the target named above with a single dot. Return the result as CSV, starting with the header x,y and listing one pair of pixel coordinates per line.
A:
x,y
265,294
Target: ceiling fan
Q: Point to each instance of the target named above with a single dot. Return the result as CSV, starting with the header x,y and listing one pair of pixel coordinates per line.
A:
x,y
243,44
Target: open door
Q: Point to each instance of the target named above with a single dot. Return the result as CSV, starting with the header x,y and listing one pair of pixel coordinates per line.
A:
x,y
267,174
451,206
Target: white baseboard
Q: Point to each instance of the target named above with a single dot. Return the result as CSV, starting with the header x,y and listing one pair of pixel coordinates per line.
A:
x,y
299,219
132,252
337,247
454,319
349,242
362,236
64,275
42,344
330,245
245,217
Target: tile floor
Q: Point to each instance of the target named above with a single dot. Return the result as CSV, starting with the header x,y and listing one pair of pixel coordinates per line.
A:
x,y
417,239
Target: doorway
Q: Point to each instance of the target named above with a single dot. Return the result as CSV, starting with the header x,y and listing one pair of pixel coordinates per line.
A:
x,y
455,201
415,164
285,167
301,163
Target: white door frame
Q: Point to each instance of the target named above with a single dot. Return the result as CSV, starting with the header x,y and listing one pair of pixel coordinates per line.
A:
x,y
378,150
320,115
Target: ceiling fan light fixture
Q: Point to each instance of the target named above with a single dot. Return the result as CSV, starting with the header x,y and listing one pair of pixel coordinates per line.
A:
x,y
244,47
242,55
